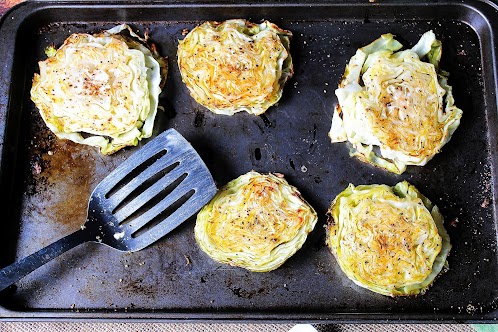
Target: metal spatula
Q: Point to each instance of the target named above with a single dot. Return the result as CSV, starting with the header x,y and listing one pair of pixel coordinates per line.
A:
x,y
143,199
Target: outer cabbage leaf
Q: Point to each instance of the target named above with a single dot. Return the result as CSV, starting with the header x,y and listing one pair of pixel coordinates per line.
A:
x,y
236,65
397,102
390,240
101,90
255,222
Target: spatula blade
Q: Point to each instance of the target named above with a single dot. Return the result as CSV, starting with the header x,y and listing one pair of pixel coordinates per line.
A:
x,y
158,209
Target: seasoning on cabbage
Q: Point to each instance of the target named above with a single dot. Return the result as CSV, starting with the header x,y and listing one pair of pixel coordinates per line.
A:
x,y
101,90
395,107
256,222
236,65
390,240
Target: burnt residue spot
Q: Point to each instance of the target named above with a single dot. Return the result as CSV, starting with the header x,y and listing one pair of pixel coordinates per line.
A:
x,y
453,222
203,280
320,267
137,287
37,165
246,294
38,146
257,154
200,119
317,179
267,121
291,163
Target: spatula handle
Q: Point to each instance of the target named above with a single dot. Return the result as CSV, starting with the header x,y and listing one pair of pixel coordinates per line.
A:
x,y
19,269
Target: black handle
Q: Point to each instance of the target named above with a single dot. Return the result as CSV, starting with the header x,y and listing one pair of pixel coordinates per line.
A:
x,y
20,269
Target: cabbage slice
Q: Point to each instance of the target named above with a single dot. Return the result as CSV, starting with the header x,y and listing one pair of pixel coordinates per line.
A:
x,y
236,65
390,240
257,221
396,101
100,90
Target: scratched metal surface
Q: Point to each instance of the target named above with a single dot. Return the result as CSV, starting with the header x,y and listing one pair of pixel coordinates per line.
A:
x,y
48,181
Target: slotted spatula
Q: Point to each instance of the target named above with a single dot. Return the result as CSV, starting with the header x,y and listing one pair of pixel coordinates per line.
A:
x,y
151,193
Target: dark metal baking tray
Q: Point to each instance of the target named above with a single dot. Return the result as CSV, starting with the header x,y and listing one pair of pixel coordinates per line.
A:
x,y
45,182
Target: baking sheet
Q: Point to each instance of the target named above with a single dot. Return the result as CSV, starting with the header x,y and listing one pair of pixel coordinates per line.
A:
x,y
46,182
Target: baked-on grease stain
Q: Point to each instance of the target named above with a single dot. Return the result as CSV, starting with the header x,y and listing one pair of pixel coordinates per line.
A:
x,y
200,119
